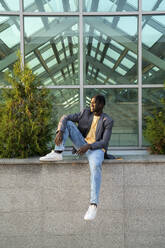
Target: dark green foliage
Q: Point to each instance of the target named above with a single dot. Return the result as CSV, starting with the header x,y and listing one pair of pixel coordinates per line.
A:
x,y
25,115
155,130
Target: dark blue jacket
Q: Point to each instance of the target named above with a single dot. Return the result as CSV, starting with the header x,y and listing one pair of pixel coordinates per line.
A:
x,y
84,120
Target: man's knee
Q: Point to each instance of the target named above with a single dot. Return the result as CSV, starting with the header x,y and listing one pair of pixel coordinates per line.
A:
x,y
70,124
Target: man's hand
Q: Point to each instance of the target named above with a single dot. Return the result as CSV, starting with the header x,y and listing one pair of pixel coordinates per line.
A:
x,y
58,138
83,149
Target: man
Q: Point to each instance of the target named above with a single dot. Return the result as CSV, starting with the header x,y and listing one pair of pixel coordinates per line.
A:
x,y
91,136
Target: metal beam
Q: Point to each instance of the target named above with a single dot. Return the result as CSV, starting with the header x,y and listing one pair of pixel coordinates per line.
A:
x,y
71,50
38,55
94,5
66,5
106,70
56,53
122,55
158,2
65,56
89,46
120,7
55,69
44,19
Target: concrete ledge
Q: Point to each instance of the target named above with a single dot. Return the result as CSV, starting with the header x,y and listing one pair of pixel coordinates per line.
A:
x,y
70,159
42,204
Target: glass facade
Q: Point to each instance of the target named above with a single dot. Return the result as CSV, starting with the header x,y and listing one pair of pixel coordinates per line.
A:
x,y
153,43
122,106
9,43
110,5
8,5
150,102
110,56
153,5
53,53
79,48
51,5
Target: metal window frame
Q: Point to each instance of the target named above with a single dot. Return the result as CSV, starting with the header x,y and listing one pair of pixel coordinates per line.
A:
x,y
81,14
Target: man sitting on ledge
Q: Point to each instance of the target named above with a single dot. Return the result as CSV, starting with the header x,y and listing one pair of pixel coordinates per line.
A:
x,y
91,136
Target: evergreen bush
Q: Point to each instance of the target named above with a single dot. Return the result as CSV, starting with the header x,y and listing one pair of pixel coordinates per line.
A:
x,y
25,115
155,130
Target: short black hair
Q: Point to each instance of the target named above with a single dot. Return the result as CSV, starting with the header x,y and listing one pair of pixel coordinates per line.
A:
x,y
100,99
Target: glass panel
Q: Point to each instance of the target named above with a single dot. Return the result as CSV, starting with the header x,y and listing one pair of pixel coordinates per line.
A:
x,y
122,106
153,64
9,43
53,53
67,101
110,5
153,5
51,5
9,5
110,50
151,101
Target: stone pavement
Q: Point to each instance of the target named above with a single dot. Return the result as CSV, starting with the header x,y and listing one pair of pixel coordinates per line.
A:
x,y
42,204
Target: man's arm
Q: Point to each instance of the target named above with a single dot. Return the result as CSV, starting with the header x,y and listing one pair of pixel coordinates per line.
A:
x,y
72,117
83,149
62,125
103,143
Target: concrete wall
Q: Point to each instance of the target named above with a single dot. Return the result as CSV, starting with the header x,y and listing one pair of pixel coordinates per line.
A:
x,y
42,205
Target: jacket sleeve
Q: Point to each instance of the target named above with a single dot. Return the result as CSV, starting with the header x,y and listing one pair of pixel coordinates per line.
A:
x,y
72,117
103,143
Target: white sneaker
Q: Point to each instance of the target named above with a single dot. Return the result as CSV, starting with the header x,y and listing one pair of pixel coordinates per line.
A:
x,y
52,156
91,213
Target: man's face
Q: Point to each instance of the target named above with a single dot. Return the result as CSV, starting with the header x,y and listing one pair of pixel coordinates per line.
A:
x,y
95,106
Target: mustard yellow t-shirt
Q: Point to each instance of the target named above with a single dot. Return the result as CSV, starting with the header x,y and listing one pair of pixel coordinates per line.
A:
x,y
91,136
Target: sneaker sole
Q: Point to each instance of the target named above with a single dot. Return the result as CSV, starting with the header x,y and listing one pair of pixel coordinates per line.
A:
x,y
49,160
90,219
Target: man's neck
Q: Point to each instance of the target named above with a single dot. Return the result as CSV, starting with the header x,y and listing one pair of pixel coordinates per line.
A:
x,y
97,113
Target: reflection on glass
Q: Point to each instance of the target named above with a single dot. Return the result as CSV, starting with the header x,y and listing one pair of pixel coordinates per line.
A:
x,y
52,53
9,5
151,100
153,31
9,43
110,5
153,5
51,5
66,102
110,50
122,106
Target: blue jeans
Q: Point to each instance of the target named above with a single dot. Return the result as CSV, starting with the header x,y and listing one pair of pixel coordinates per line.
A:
x,y
95,158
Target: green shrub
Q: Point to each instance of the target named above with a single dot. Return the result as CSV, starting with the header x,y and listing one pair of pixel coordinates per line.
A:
x,y
155,130
25,115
